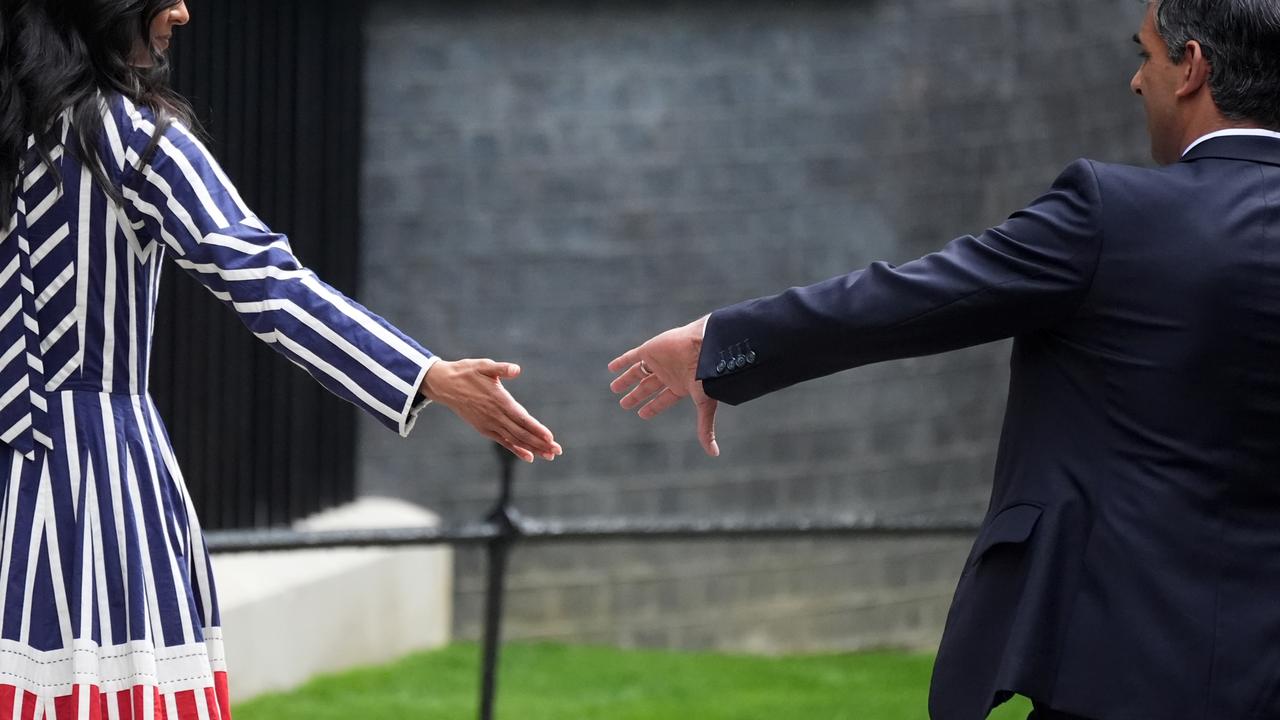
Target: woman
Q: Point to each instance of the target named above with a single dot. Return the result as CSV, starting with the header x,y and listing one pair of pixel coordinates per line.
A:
x,y
107,607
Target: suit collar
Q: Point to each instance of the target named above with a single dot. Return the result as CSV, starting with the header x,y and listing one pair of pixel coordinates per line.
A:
x,y
1237,147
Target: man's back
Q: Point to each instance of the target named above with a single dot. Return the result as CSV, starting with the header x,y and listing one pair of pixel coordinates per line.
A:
x,y
1133,543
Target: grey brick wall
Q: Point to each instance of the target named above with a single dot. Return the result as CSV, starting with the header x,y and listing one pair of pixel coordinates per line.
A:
x,y
553,182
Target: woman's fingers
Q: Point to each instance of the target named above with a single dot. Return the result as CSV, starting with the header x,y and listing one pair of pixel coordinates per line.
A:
x,y
517,422
513,429
473,390
523,453
521,425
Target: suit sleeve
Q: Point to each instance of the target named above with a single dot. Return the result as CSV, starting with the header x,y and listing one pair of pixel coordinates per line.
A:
x,y
1029,273
182,199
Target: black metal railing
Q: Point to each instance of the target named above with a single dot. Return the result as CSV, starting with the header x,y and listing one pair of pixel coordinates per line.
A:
x,y
505,526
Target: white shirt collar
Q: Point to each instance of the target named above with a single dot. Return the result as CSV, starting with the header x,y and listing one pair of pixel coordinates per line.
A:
x,y
1256,132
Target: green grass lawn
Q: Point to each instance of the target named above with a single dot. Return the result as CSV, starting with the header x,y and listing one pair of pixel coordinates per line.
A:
x,y
545,682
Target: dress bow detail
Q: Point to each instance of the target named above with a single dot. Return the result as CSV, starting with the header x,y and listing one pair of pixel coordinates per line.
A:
x,y
24,405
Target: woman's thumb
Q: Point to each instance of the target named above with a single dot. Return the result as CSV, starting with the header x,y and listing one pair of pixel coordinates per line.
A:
x,y
502,369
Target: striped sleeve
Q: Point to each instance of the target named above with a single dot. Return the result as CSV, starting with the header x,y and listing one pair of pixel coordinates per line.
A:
x,y
186,203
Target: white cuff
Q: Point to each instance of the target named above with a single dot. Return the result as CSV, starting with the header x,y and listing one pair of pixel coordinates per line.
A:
x,y
417,401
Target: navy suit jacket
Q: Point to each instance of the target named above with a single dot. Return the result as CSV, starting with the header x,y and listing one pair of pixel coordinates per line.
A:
x,y
1129,565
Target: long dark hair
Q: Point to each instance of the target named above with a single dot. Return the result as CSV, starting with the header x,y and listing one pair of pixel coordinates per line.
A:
x,y
60,55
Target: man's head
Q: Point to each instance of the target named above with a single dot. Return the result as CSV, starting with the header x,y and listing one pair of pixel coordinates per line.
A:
x,y
1207,64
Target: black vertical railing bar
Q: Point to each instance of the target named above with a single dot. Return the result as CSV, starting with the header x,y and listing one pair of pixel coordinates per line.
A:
x,y
506,520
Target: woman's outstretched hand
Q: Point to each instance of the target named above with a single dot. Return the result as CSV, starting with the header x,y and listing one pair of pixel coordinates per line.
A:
x,y
473,390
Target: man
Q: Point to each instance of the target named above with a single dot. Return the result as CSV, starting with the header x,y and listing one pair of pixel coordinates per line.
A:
x,y
1129,565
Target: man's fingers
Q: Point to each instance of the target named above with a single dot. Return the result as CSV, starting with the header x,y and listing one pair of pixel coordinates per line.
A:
x,y
624,382
633,375
661,403
707,426
647,387
625,360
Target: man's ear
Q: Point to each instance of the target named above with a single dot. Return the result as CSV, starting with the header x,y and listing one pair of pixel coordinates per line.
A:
x,y
1195,70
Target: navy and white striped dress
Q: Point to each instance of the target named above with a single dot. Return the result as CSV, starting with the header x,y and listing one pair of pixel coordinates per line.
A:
x,y
107,603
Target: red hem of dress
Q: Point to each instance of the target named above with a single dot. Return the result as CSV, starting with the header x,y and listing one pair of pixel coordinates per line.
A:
x,y
129,704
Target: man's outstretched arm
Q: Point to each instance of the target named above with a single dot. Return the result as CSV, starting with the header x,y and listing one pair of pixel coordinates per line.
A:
x,y
1032,272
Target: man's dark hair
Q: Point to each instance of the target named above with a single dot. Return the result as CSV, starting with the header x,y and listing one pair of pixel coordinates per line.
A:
x,y
1241,41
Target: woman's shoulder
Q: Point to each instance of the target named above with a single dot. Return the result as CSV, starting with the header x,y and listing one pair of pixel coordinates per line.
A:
x,y
173,159
141,135
125,117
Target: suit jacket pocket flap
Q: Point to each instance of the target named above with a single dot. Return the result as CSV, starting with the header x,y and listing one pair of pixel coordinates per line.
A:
x,y
1011,525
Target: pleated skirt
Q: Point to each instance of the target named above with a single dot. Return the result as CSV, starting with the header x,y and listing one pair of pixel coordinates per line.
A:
x,y
107,601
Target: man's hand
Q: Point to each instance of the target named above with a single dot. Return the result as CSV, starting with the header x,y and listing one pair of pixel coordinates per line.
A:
x,y
473,390
657,374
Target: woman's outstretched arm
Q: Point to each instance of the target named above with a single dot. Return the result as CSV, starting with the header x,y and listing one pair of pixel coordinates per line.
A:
x,y
182,199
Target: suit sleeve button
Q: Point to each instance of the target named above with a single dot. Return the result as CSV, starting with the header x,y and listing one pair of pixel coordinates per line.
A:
x,y
722,367
751,357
